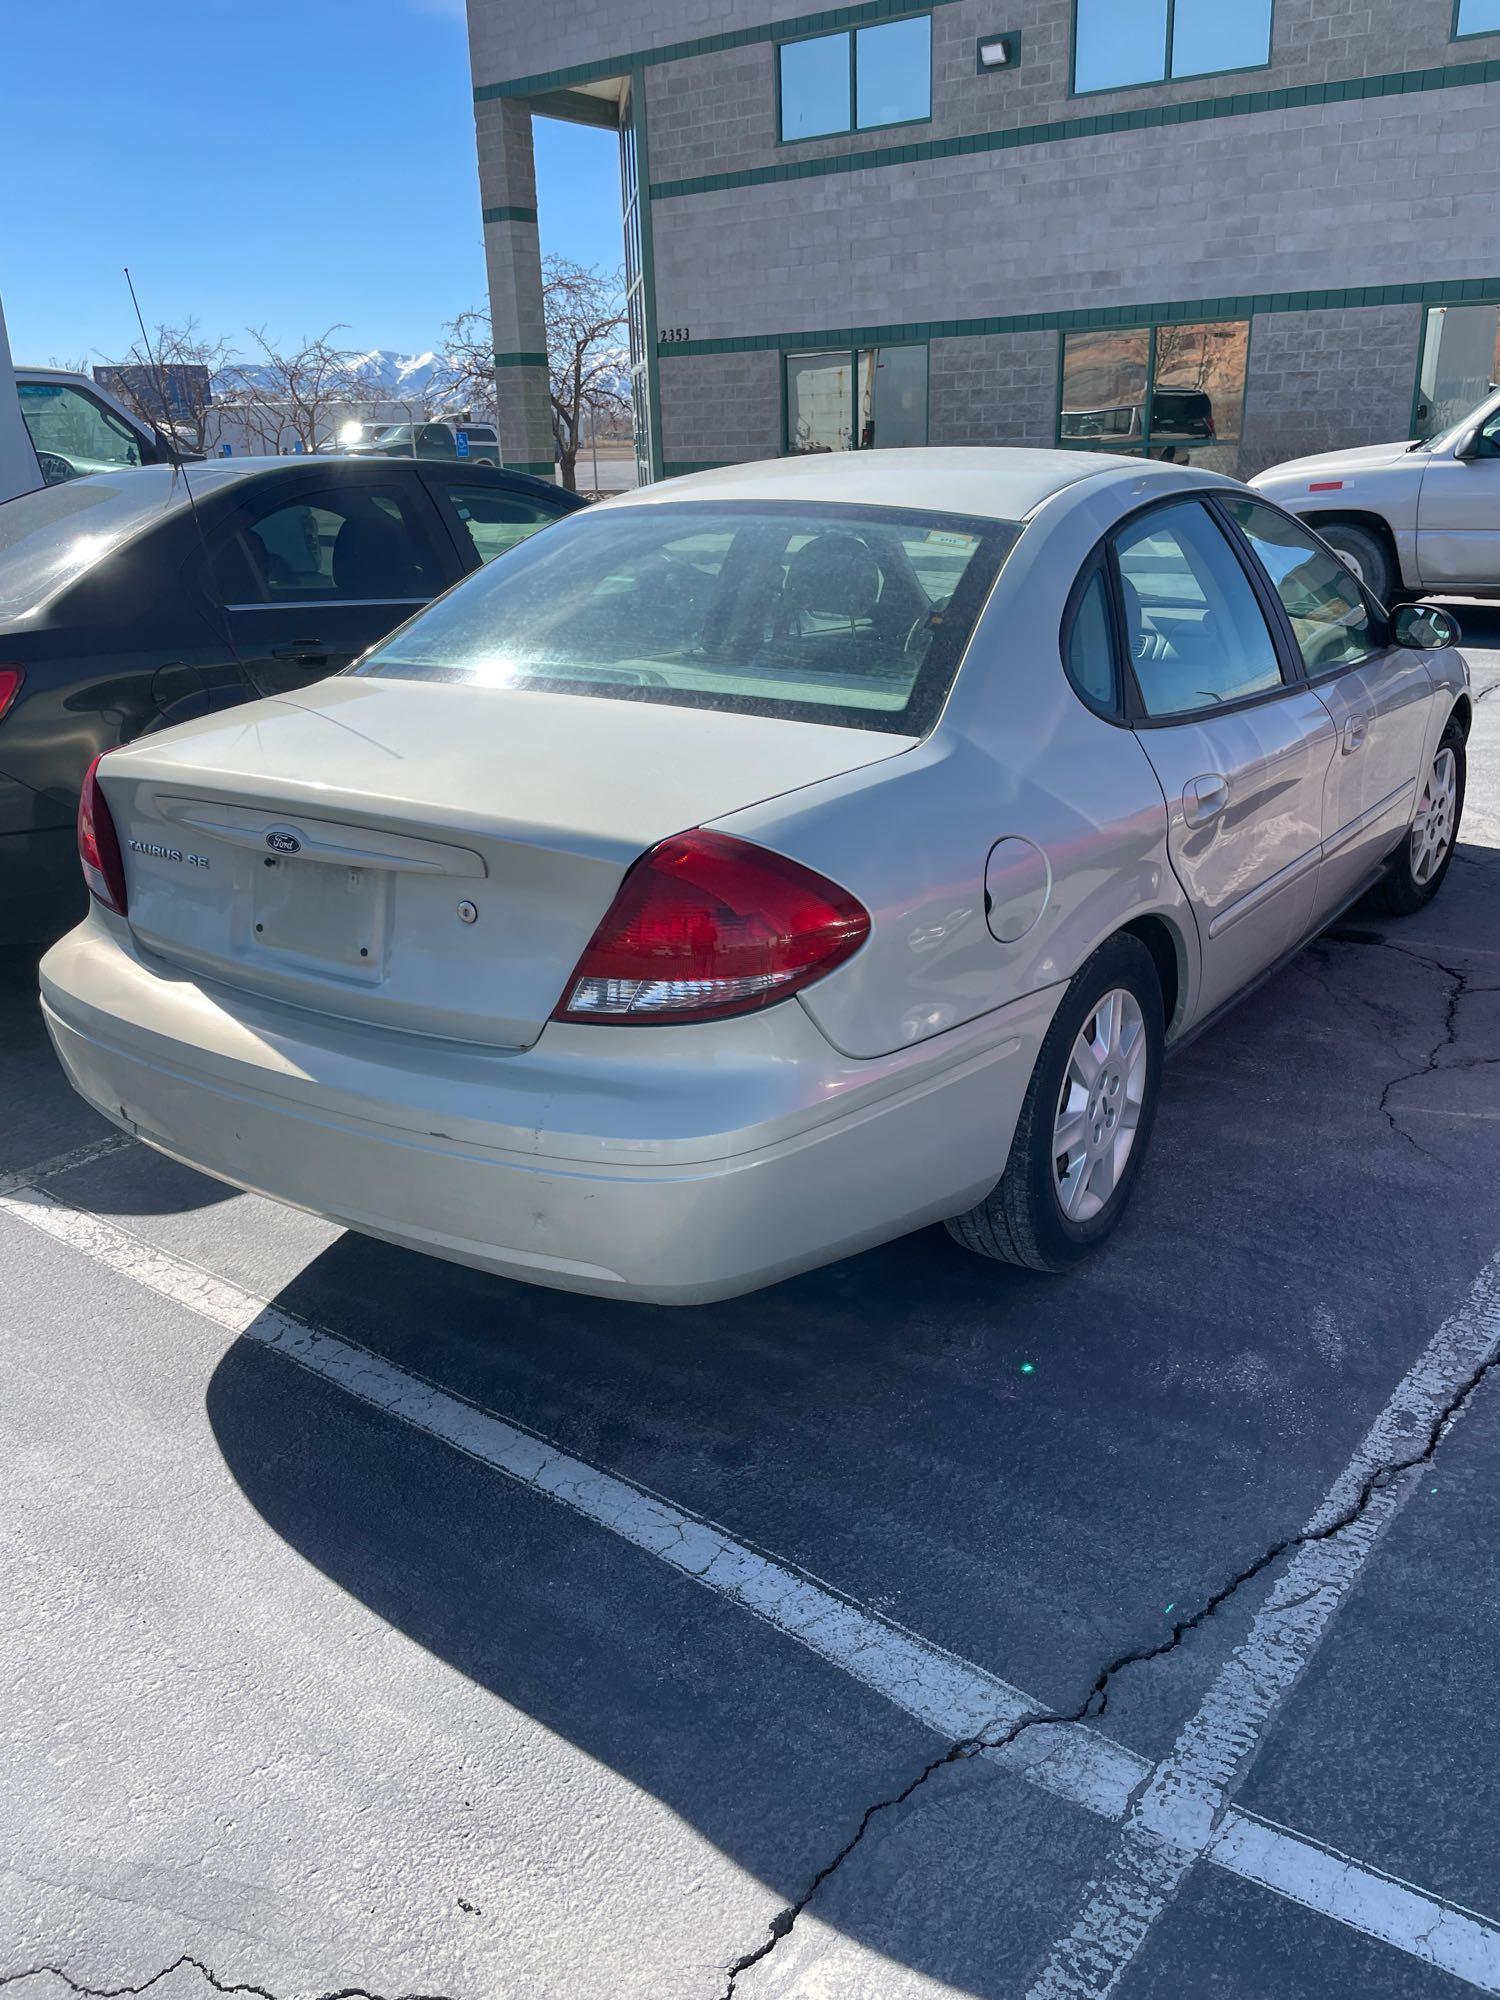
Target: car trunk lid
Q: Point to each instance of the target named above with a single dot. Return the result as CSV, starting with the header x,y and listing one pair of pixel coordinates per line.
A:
x,y
426,856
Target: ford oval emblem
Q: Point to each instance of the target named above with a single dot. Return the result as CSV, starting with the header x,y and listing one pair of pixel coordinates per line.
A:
x,y
283,843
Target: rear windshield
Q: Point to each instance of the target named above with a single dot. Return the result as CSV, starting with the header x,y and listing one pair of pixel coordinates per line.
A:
x,y
851,615
49,538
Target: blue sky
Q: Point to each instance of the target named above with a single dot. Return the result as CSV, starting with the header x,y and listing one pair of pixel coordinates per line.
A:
x,y
292,163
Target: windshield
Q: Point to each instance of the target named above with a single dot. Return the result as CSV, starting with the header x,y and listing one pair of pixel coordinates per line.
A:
x,y
393,434
852,615
49,538
1449,433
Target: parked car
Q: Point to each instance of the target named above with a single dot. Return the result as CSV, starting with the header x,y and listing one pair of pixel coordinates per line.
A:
x,y
1411,517
77,427
122,611
434,440
1179,417
760,866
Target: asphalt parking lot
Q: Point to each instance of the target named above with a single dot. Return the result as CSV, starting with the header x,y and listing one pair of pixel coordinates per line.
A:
x,y
916,1627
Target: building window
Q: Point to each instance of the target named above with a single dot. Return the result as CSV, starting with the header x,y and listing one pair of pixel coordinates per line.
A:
x,y
856,399
1477,17
1172,392
856,81
1460,365
1120,42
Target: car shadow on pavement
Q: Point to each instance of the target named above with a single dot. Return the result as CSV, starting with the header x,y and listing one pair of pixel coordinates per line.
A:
x,y
1021,1469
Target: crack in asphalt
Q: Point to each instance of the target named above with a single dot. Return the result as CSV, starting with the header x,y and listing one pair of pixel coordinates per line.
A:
x,y
1096,1701
1459,990
196,1965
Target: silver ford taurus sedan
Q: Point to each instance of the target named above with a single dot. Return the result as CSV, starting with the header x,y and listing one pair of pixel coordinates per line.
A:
x,y
761,865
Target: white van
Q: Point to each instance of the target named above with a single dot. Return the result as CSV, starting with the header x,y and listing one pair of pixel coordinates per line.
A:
x,y
77,427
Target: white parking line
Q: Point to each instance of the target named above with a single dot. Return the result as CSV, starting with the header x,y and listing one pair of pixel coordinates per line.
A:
x,y
954,1698
1174,1821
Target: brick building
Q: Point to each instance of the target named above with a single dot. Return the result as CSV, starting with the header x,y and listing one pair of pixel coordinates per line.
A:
x,y
1228,230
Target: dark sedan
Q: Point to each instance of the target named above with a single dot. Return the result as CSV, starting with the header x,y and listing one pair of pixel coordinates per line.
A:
x,y
124,608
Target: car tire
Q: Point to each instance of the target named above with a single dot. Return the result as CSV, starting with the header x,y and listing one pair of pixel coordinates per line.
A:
x,y
1026,1218
1367,555
1420,864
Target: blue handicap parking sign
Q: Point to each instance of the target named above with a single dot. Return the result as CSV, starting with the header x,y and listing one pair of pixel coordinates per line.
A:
x,y
461,441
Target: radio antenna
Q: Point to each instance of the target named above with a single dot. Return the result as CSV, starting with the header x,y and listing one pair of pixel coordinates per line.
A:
x,y
166,433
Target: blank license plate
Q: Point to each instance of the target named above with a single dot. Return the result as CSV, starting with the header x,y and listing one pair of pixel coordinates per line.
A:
x,y
320,910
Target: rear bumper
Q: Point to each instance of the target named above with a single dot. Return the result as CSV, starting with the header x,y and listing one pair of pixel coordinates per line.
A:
x,y
676,1165
41,884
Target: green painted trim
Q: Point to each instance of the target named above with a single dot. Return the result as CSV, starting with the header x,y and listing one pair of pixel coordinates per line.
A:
x,y
1244,305
520,361
540,468
508,215
706,45
1239,104
1166,76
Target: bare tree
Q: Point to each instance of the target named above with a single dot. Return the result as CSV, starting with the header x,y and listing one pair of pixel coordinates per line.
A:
x,y
295,397
168,381
467,376
587,364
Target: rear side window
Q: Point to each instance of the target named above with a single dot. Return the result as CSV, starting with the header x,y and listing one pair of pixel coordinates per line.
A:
x,y
494,520
821,613
1193,624
356,543
1091,646
1326,606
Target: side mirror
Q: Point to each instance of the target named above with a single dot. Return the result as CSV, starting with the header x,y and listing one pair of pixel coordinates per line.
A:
x,y
1425,628
1468,446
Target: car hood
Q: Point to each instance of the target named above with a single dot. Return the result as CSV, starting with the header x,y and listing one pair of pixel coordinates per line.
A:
x,y
1337,464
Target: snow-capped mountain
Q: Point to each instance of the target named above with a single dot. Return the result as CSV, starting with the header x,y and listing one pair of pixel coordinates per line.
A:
x,y
387,373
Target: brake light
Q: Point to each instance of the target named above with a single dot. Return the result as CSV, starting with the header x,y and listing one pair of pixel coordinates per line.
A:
x,y
10,686
99,845
704,926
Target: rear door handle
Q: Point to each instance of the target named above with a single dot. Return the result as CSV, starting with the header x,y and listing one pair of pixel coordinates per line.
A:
x,y
1203,799
1355,731
306,652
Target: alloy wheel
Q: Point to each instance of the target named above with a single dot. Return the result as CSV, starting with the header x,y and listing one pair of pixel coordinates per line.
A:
x,y
1099,1106
1432,829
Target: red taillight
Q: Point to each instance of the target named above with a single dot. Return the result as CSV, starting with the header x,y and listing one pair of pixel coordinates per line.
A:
x,y
706,925
99,845
10,686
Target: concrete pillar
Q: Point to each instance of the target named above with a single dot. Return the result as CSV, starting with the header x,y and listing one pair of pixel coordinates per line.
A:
x,y
513,258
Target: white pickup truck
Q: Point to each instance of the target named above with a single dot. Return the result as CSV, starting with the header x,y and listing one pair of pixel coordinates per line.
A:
x,y
1407,518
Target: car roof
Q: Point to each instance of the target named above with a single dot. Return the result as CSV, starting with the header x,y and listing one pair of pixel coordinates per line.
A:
x,y
993,482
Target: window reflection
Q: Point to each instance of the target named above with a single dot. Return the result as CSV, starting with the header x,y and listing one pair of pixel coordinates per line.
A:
x,y
1460,364
1123,42
1177,392
856,399
858,80
1478,17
